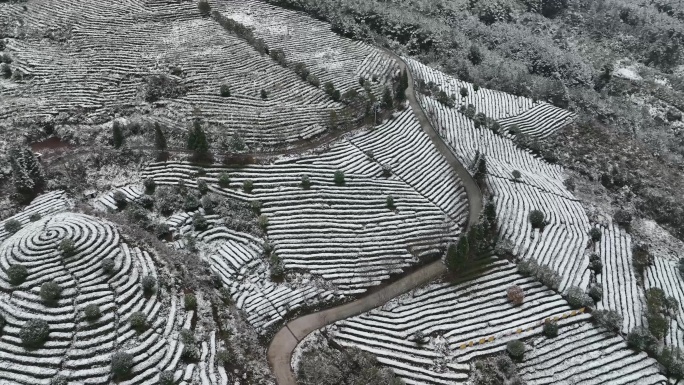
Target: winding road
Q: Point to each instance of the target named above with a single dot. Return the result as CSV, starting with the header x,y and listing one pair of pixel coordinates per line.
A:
x,y
286,339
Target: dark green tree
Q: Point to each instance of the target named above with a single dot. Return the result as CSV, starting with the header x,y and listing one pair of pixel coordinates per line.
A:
x,y
27,174
117,135
387,101
159,138
197,141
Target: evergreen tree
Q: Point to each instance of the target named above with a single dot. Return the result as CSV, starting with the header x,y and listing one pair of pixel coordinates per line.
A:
x,y
403,86
26,171
117,135
159,138
197,141
387,98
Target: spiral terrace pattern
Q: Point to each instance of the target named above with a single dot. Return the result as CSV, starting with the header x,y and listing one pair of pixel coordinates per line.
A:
x,y
75,348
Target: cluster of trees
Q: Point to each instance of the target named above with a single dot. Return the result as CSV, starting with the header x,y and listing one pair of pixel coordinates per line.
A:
x,y
336,365
478,242
27,173
161,86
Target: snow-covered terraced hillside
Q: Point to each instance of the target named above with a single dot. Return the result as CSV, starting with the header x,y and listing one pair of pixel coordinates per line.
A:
x,y
473,318
110,49
310,41
45,204
562,243
621,290
664,274
346,234
585,355
76,348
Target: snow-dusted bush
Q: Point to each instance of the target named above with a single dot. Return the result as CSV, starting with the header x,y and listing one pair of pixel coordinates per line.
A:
x,y
67,247
190,351
640,339
191,203
577,298
34,333
516,175
161,230
390,202
34,217
515,294
120,199
499,370
202,186
596,293
595,234
138,321
256,206
276,267
149,284
623,218
550,329
528,268
92,312
167,200
536,219
121,364
190,302
549,277
225,90
516,349
224,180
339,177
166,378
608,319
595,263
108,265
263,222
12,226
207,204
50,292
17,274
199,222
247,186
150,185
306,182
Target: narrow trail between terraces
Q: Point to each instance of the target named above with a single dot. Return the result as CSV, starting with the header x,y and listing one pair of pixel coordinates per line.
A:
x,y
288,337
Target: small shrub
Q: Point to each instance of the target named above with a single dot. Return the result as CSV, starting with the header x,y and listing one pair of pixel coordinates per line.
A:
x,y
608,319
108,265
59,380
536,219
595,234
166,378
204,7
247,186
34,217
390,202
146,201
202,186
516,349
623,218
264,94
464,92
121,364
339,178
225,90
515,294
596,293
17,274
516,175
138,321
149,284
577,298
276,267
224,180
190,352
120,199
150,185
313,80
199,222
672,360
207,204
550,329
67,247
12,226
92,312
190,301
595,263
263,221
548,277
306,182
34,333
256,206
640,339
50,292
528,268
191,203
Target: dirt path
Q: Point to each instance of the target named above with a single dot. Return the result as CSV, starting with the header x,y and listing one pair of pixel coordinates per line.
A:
x,y
287,338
